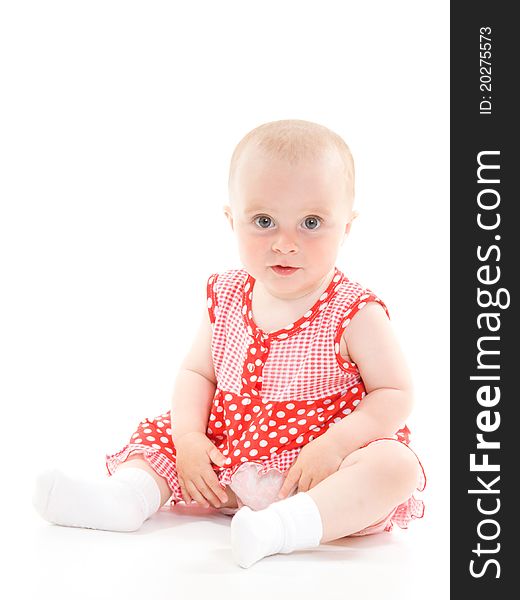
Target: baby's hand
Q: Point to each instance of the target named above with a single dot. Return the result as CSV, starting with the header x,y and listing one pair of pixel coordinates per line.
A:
x,y
198,481
316,461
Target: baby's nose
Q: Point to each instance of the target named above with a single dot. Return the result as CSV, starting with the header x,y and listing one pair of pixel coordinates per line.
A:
x,y
285,245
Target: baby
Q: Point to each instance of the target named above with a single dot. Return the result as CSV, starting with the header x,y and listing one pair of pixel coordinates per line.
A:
x,y
289,409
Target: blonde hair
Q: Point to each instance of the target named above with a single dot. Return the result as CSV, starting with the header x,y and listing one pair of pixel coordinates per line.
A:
x,y
294,140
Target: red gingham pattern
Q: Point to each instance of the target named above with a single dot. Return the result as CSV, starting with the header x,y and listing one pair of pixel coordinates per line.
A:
x,y
276,391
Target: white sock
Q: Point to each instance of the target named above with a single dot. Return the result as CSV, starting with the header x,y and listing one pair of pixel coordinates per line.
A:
x,y
122,502
284,526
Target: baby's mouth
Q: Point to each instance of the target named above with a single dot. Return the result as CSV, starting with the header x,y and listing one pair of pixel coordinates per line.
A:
x,y
280,270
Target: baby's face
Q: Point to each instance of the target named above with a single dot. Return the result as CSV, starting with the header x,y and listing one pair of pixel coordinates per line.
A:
x,y
289,216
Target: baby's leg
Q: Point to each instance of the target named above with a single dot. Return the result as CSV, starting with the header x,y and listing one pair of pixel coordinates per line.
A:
x,y
121,502
369,484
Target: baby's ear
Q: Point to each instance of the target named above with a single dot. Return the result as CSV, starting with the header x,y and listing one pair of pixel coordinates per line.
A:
x,y
349,224
229,214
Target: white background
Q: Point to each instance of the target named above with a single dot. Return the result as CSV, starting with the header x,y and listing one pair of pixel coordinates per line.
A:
x,y
118,120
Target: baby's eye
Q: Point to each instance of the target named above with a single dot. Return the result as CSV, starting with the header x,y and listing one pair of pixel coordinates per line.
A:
x,y
263,221
312,222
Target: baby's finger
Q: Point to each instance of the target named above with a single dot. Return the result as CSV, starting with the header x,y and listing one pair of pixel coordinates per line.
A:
x,y
293,476
187,498
304,484
196,495
206,490
214,484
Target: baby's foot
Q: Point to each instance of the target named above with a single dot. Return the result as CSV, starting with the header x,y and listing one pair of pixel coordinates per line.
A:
x,y
119,503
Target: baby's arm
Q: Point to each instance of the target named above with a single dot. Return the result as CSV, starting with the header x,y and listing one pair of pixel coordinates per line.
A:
x,y
372,345
195,385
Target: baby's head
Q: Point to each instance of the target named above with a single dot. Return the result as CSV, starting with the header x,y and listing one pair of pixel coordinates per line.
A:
x,y
291,190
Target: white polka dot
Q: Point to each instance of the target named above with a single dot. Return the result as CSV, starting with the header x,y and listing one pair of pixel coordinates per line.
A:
x,y
354,390
255,393
302,421
282,426
253,452
320,410
289,326
337,419
147,430
228,461
138,441
135,435
159,424
308,313
283,336
262,443
156,446
244,309
210,303
218,424
291,420
261,420
336,278
301,411
256,435
252,428
253,378
322,306
236,452
323,296
228,422
240,427
238,416
336,348
225,452
331,407
212,417
228,397
362,305
272,423
169,450
299,439
327,401
209,430
273,450
345,323
356,402
150,438
293,430
305,324
273,434
247,417
290,406
347,411
264,427
280,414
220,408
311,413
246,444
246,401
252,350
164,439
283,440
231,431
243,459
258,362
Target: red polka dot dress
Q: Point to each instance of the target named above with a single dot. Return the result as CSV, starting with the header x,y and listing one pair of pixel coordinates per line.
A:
x,y
276,392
